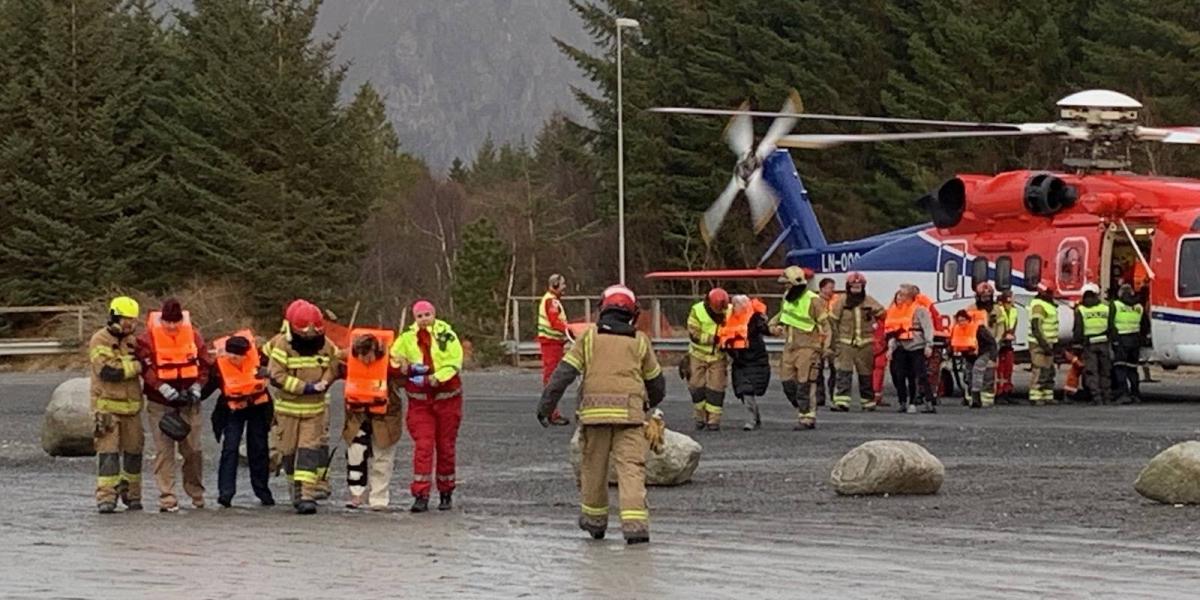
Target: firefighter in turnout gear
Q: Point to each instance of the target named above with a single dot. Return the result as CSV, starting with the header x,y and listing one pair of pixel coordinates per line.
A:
x,y
707,364
552,333
116,403
1043,331
1127,344
175,367
374,417
622,382
430,354
303,363
802,323
852,323
1093,326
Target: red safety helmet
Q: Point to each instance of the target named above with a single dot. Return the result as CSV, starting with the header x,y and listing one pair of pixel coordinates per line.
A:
x,y
304,317
1045,285
984,288
718,299
855,277
618,296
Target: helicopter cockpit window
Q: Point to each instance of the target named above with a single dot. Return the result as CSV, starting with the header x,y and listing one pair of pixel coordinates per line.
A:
x,y
1003,273
979,272
1071,265
950,274
1033,272
1189,268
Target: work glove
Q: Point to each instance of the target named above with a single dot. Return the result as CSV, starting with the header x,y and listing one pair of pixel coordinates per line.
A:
x,y
655,431
321,386
419,380
417,369
196,392
314,388
169,393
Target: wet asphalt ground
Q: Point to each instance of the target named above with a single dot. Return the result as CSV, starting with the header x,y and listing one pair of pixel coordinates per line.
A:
x,y
1037,502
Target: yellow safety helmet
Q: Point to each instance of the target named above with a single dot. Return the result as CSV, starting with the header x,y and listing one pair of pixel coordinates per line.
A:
x,y
124,306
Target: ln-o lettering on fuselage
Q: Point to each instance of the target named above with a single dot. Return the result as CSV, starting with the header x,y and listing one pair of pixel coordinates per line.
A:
x,y
834,262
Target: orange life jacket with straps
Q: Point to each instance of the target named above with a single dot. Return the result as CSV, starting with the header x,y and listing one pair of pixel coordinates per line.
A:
x,y
175,356
240,384
940,329
899,320
366,383
963,338
735,332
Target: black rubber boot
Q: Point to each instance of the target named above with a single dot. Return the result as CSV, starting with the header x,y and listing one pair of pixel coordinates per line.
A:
x,y
306,507
420,504
643,538
445,502
597,533
224,501
133,505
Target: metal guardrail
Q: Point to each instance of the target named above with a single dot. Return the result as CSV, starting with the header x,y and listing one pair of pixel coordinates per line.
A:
x,y
667,321
521,349
42,346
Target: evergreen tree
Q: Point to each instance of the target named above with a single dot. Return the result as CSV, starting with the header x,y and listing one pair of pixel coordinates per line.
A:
x,y
481,274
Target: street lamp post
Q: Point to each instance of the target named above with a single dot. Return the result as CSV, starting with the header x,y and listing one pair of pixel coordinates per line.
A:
x,y
621,24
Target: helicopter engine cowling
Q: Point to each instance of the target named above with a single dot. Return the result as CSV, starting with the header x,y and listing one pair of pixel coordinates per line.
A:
x,y
947,203
1046,194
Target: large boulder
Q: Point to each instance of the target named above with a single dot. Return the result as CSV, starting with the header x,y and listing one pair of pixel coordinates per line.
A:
x,y
675,466
1173,476
68,424
888,467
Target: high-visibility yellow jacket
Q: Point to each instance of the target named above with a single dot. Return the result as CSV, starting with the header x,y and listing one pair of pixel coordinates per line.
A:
x,y
289,372
114,372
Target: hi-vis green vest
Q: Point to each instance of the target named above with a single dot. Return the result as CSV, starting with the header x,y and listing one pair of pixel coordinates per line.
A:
x,y
1095,322
798,313
1048,321
1010,317
702,330
545,330
1128,319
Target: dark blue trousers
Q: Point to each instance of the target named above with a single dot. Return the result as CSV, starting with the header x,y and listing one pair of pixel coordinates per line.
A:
x,y
256,422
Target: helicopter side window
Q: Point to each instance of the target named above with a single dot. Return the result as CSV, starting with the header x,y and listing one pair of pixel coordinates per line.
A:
x,y
950,274
1071,265
1189,268
979,271
1033,272
1003,273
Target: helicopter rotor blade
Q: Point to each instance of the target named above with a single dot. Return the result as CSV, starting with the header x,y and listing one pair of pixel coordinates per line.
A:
x,y
762,200
739,134
715,215
781,127
820,141
677,110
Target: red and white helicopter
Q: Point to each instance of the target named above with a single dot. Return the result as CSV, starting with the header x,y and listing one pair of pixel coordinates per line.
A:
x,y
1092,222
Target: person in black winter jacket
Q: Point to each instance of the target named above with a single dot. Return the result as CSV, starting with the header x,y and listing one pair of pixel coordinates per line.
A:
x,y
751,367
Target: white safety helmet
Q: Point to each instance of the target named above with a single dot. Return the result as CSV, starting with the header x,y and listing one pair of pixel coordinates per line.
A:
x,y
1091,287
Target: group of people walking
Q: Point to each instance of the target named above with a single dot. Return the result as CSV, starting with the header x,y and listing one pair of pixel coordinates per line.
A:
x,y
275,395
833,341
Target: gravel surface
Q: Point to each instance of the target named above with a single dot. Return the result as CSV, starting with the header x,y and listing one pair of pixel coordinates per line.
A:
x,y
1037,502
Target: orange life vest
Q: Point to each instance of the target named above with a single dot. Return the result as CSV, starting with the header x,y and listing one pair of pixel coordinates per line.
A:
x,y
899,320
366,383
175,356
735,332
963,337
940,329
240,385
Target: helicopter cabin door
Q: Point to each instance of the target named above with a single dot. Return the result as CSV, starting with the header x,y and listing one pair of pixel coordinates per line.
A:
x,y
952,270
